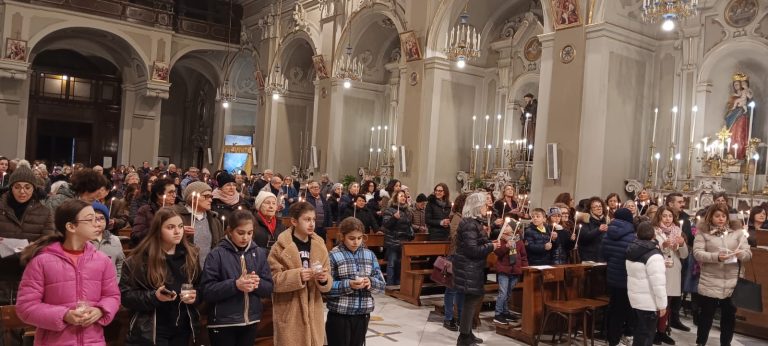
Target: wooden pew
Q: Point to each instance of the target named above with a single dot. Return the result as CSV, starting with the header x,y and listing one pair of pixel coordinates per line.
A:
x,y
9,322
750,322
532,308
412,277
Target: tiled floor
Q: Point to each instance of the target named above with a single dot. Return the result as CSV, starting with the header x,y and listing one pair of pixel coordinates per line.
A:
x,y
396,322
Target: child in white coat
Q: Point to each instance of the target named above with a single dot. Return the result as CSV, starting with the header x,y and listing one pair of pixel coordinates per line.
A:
x,y
646,284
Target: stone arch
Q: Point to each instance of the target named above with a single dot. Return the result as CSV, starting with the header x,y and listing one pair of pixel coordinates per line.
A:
x,y
205,65
446,14
38,38
376,8
522,85
289,41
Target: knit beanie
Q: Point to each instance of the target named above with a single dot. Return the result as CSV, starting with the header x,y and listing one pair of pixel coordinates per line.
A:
x,y
623,214
23,173
261,197
553,210
224,178
197,186
101,208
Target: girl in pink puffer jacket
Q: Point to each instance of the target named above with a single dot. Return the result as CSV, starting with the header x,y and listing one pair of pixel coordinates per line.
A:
x,y
69,290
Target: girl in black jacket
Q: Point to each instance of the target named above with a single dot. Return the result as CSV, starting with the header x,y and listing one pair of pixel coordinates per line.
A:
x,y
472,249
437,213
358,210
397,227
151,285
235,278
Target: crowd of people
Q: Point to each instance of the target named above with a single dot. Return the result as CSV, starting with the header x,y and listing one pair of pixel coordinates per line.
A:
x,y
216,243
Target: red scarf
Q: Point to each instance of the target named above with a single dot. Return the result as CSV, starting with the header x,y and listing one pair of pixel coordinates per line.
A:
x,y
271,225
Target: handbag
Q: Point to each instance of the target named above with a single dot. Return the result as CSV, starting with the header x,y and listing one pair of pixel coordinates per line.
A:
x,y
442,272
748,294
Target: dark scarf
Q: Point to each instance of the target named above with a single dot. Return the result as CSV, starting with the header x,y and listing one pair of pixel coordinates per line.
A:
x,y
18,208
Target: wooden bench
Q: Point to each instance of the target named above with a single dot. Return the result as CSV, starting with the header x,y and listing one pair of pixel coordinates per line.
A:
x,y
411,275
9,322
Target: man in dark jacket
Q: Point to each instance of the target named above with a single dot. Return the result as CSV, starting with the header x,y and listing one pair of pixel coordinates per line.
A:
x,y
322,208
621,233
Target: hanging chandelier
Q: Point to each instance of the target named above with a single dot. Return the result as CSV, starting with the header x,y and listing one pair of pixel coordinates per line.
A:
x,y
668,11
348,68
463,41
276,84
225,93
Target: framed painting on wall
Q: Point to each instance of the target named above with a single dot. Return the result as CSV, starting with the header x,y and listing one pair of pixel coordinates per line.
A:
x,y
565,14
320,70
15,49
409,44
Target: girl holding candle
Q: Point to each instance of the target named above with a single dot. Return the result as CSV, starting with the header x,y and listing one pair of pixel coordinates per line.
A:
x,y
69,289
300,266
564,238
511,258
152,280
236,277
356,277
397,221
672,244
718,248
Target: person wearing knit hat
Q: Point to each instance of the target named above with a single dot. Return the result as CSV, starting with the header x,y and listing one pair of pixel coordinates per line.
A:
x,y
207,229
224,178
267,227
105,241
23,173
226,199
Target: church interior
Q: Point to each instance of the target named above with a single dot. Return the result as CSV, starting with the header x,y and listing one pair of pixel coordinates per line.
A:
x,y
586,97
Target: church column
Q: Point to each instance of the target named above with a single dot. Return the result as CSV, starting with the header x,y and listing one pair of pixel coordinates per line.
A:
x,y
140,122
392,112
14,107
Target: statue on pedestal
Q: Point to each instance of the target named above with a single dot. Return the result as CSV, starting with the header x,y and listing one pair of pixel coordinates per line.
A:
x,y
530,105
737,116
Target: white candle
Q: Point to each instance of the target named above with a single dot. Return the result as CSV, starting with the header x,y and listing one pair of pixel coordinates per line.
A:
x,y
530,151
164,200
693,122
655,119
485,139
677,167
477,150
370,152
656,175
498,136
751,116
674,124
386,136
735,149
474,117
110,208
756,157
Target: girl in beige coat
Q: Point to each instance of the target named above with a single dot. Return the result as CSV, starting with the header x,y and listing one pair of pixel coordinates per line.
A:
x,y
718,249
299,263
673,248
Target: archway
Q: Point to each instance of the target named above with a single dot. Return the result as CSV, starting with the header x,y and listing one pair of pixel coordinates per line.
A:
x,y
75,106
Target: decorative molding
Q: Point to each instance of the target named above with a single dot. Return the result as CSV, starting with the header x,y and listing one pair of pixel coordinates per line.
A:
x,y
11,69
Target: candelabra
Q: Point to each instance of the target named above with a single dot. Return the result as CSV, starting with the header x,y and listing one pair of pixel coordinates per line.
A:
x,y
751,147
669,182
649,180
688,178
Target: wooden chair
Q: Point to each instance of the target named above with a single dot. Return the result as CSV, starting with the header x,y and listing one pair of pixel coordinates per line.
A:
x,y
577,277
10,322
559,305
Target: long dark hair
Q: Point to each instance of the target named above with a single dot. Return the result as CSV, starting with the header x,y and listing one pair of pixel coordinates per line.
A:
x,y
446,193
149,253
656,222
752,212
65,213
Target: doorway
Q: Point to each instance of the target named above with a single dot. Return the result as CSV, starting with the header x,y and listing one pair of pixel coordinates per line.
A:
x,y
63,141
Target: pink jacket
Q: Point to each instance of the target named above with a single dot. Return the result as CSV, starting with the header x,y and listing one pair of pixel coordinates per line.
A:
x,y
52,285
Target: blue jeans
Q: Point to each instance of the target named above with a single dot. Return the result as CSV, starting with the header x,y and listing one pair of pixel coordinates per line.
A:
x,y
393,265
452,297
506,284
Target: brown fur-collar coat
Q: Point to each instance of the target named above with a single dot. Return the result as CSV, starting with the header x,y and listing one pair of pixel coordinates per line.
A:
x,y
297,307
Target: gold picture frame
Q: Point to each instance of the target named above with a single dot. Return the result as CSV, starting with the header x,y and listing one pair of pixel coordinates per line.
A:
x,y
409,45
565,14
15,50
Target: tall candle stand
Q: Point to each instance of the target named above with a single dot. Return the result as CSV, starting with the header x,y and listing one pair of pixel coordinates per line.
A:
x,y
688,177
649,180
669,182
751,147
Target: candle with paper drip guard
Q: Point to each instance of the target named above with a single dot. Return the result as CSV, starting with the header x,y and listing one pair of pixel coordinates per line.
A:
x,y
110,207
195,203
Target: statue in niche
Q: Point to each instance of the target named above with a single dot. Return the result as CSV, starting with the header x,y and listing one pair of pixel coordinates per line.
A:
x,y
737,116
300,18
530,106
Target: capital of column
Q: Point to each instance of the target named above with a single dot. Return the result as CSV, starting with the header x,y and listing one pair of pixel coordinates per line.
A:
x,y
150,88
12,69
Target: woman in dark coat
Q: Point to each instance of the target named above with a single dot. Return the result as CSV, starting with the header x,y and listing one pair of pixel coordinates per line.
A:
x,y
472,249
358,210
397,227
163,195
22,216
593,226
437,213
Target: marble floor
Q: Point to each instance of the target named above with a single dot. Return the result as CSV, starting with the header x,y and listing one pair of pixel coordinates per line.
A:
x,y
395,322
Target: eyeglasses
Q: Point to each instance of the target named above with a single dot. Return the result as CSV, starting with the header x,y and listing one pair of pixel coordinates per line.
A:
x,y
436,190
95,219
207,196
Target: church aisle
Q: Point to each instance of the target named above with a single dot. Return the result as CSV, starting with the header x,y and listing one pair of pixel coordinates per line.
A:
x,y
394,322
